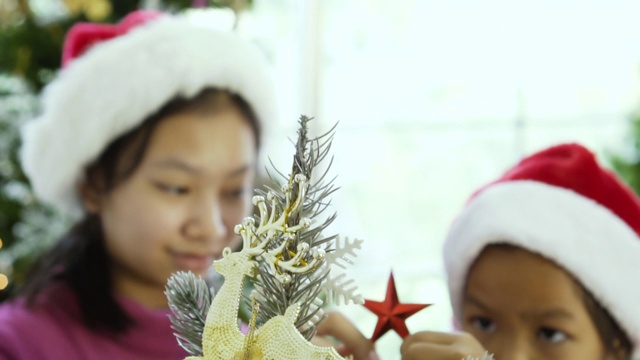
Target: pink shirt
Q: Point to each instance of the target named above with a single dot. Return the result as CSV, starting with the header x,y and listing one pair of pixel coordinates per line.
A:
x,y
53,329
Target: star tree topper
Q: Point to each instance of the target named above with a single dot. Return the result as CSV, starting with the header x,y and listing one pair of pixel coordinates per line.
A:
x,y
391,313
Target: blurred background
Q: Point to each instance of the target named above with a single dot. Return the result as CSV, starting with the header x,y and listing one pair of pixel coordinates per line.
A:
x,y
433,99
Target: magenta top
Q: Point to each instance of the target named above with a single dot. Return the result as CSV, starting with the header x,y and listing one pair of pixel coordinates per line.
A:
x,y
53,330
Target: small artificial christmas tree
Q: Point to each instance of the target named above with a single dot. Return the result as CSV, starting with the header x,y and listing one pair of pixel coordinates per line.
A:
x,y
289,261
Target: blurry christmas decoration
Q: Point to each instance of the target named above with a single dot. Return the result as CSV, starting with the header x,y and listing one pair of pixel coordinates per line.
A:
x,y
26,226
32,32
235,5
4,281
289,261
391,313
94,10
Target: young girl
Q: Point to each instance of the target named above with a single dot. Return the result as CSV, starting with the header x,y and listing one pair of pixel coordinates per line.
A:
x,y
544,263
150,136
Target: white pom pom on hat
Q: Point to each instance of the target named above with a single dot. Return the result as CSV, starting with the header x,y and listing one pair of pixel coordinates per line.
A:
x,y
560,204
121,74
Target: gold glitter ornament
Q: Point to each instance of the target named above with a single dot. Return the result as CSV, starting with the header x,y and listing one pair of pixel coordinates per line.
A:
x,y
277,339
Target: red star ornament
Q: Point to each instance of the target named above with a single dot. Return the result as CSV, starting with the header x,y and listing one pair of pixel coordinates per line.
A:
x,y
391,314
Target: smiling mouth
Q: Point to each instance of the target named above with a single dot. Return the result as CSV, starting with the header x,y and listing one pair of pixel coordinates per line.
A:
x,y
192,262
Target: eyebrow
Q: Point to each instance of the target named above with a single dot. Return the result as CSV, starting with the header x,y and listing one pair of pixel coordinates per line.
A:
x,y
546,314
474,301
173,163
554,314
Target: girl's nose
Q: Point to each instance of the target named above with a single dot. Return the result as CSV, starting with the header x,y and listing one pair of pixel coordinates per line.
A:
x,y
515,351
206,223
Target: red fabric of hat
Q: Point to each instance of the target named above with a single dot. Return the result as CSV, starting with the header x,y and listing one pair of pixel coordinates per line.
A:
x,y
574,167
83,36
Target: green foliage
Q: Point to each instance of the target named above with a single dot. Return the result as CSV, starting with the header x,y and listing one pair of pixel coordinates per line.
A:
x,y
627,166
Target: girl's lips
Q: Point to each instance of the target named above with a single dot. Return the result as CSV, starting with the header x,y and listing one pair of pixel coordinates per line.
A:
x,y
193,262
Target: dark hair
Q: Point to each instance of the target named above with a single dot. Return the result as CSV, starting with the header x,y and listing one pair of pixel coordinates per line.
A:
x,y
613,337
80,258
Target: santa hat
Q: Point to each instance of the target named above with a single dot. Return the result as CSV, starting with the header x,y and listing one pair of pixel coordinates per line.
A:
x,y
115,76
558,203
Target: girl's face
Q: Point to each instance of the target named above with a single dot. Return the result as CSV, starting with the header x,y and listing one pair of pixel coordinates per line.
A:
x,y
178,209
521,306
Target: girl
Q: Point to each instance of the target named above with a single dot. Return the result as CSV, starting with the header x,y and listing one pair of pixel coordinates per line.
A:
x,y
544,264
150,136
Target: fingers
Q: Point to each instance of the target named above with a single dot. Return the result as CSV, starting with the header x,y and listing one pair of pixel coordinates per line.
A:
x,y
322,341
433,337
354,342
440,346
427,351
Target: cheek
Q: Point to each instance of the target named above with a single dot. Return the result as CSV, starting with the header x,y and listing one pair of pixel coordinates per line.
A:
x,y
235,211
233,214
137,220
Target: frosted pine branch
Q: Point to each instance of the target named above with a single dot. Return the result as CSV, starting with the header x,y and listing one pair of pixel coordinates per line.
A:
x,y
189,300
291,267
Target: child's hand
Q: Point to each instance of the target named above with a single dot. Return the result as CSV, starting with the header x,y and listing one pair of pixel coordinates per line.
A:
x,y
429,345
350,340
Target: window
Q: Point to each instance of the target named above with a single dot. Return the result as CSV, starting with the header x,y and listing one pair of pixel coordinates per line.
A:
x,y
434,99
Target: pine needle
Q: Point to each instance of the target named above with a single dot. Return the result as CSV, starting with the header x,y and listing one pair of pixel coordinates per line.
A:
x,y
189,300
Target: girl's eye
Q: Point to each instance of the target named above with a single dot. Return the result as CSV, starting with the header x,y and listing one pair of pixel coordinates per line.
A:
x,y
234,194
173,189
483,324
552,335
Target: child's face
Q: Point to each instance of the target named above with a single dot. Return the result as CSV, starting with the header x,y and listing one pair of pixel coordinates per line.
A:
x,y
178,209
521,306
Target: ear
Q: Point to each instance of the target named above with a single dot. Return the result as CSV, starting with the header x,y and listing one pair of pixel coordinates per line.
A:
x,y
91,193
618,352
90,196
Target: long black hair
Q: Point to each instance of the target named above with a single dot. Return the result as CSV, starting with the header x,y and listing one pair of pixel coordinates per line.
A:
x,y
79,258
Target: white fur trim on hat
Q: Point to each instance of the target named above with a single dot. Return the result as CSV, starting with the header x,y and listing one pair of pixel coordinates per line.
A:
x,y
599,249
117,84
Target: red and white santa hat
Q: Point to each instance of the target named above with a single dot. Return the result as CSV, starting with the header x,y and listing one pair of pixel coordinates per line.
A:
x,y
561,204
115,76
